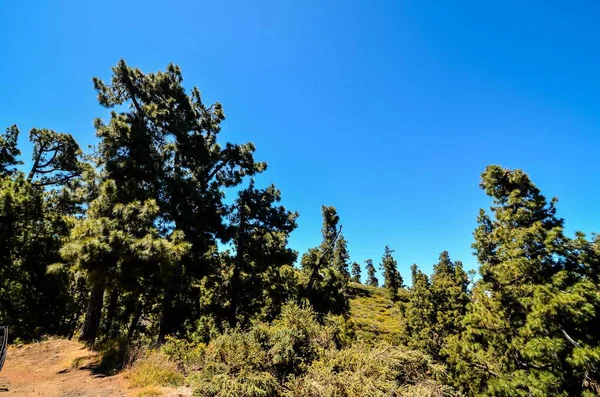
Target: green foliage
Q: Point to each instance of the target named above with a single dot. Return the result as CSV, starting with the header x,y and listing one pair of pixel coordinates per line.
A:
x,y
530,328
254,363
326,285
449,286
184,353
251,279
341,258
32,301
437,306
9,153
115,354
371,277
356,271
298,356
421,314
56,158
391,275
165,147
365,370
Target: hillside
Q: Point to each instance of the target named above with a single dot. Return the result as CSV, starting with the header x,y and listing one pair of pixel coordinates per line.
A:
x,y
374,314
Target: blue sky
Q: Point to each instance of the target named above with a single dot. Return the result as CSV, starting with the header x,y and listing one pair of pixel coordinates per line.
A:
x,y
387,110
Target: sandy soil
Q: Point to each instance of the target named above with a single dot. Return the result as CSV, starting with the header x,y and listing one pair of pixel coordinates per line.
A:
x,y
61,368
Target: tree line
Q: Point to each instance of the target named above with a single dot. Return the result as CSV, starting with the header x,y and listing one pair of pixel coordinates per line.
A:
x,y
135,240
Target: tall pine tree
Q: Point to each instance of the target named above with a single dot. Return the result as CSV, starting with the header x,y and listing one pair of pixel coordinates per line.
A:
x,y
392,278
326,286
356,271
162,143
341,257
371,276
529,331
420,313
251,276
450,289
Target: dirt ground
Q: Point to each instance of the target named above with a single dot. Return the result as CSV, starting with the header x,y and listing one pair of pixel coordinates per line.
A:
x,y
61,368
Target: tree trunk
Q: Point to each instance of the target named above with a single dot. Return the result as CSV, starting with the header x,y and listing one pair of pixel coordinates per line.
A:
x,y
111,312
234,296
135,320
238,263
167,305
79,306
94,311
165,314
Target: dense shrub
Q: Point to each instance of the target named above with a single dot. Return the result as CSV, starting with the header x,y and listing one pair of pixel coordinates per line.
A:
x,y
366,370
298,356
187,355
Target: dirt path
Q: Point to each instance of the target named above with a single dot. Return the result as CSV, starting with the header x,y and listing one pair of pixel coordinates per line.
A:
x,y
57,368
63,368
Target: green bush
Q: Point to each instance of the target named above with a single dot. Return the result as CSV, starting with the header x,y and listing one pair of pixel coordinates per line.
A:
x,y
187,355
364,370
235,365
257,362
297,356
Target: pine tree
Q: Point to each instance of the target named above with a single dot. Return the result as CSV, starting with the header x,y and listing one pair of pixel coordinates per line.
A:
x,y
326,286
393,279
260,231
116,242
529,330
421,314
371,277
341,257
9,152
34,212
356,271
450,289
163,145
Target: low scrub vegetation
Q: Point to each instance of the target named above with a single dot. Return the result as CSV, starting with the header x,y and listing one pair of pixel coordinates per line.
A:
x,y
296,355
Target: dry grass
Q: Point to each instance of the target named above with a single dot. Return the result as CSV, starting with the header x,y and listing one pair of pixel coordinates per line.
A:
x,y
149,392
154,369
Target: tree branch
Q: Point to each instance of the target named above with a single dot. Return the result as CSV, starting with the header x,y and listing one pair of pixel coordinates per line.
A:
x,y
217,168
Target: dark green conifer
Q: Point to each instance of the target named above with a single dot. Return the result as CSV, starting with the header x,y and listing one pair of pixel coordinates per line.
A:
x,y
341,257
529,330
371,277
356,271
392,278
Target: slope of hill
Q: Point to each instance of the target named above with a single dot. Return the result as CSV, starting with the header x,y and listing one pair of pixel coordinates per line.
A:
x,y
374,314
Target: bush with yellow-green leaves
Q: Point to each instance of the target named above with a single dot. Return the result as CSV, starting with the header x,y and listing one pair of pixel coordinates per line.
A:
x,y
297,356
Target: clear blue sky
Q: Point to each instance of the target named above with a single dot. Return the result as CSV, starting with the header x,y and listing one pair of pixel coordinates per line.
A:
x,y
388,110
